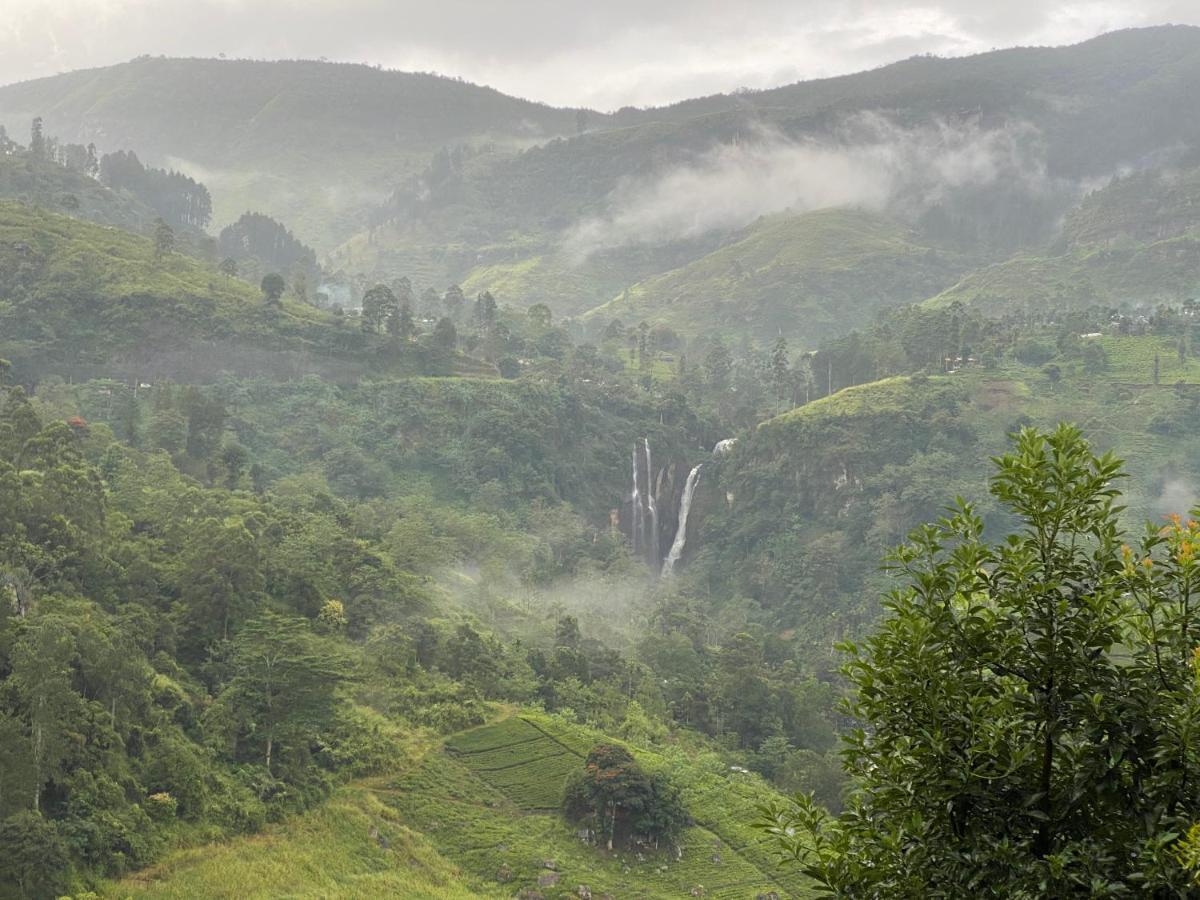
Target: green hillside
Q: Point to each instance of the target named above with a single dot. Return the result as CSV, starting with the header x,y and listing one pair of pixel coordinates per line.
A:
x,y
1127,275
480,818
810,277
80,299
43,184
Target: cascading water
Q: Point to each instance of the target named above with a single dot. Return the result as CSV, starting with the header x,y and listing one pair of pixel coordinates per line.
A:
x,y
685,507
723,447
652,506
636,513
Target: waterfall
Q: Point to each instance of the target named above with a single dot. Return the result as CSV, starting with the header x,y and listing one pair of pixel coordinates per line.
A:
x,y
636,513
724,446
685,507
653,507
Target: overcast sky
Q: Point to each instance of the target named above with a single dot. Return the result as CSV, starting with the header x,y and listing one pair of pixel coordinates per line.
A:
x,y
601,53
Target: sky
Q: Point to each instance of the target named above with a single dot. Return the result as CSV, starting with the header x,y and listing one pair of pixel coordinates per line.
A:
x,y
604,54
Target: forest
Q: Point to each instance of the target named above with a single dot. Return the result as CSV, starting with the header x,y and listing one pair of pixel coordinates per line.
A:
x,y
410,490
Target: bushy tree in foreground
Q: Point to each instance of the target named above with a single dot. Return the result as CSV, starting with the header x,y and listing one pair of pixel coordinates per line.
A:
x,y
1030,709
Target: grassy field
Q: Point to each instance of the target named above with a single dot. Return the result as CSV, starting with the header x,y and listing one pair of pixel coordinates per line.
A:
x,y
489,803
354,845
1131,360
478,818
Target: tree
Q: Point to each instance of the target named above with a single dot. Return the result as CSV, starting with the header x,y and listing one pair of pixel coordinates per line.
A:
x,y
164,239
445,335
1030,707
718,364
35,859
402,324
613,794
282,691
272,287
539,315
454,301
37,139
378,307
229,267
485,311
779,368
41,674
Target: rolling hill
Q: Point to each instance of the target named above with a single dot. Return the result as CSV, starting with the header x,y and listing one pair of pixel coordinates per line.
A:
x,y
810,277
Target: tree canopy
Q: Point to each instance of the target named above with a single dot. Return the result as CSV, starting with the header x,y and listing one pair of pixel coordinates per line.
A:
x,y
1029,707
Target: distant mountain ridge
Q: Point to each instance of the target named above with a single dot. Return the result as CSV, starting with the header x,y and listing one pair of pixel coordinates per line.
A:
x,y
393,174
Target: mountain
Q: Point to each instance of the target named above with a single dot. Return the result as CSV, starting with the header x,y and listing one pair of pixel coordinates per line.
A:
x,y
1134,242
1041,126
323,146
311,143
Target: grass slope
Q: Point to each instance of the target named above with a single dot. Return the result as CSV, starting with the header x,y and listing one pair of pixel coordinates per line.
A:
x,y
1126,276
80,300
489,803
354,845
808,276
479,819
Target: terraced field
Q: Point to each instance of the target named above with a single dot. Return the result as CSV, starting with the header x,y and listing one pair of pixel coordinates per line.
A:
x,y
489,803
525,763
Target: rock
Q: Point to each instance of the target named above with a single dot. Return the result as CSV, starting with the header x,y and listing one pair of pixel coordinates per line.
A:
x,y
549,864
504,873
697,891
716,858
530,894
550,879
583,892
383,842
769,895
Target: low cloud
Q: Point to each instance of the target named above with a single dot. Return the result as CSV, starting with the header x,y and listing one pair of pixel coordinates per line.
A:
x,y
1177,496
869,162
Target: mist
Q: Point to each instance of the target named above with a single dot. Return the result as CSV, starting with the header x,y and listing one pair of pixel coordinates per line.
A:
x,y
1177,496
869,162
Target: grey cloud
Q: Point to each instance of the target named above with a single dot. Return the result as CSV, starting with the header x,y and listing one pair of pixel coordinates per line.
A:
x,y
869,163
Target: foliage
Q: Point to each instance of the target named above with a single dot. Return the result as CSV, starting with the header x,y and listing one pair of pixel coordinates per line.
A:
x,y
1028,706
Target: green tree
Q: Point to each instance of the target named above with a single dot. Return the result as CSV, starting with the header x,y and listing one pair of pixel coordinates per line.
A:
x,y
615,796
41,675
779,368
37,139
229,267
282,692
445,335
272,287
34,864
378,307
718,364
1030,707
